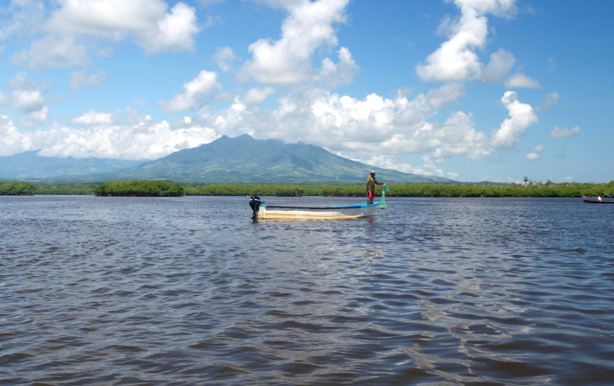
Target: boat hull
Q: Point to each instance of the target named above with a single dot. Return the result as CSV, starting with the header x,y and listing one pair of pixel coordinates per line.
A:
x,y
598,202
331,212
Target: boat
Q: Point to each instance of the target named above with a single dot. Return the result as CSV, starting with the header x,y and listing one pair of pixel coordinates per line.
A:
x,y
324,212
598,202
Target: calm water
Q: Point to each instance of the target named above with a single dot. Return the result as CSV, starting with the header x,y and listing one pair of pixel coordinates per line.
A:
x,y
191,291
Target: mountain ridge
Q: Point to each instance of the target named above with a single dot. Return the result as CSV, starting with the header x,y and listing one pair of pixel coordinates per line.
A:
x,y
246,159
29,165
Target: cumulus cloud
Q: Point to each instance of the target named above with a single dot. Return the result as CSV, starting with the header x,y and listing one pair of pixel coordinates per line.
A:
x,y
21,17
11,140
81,78
27,97
334,74
308,26
550,100
534,153
93,118
520,80
455,59
511,130
53,51
257,96
135,137
224,57
449,92
559,132
28,101
363,128
195,91
77,26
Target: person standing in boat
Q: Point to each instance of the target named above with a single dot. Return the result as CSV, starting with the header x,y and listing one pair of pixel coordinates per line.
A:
x,y
371,182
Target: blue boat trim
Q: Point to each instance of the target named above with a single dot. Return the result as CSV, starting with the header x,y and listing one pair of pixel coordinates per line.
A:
x,y
321,208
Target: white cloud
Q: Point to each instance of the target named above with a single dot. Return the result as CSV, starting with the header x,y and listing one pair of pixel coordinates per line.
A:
x,y
195,90
501,63
52,51
449,92
343,72
224,56
512,129
21,17
386,163
559,132
550,100
27,97
364,129
41,115
456,59
534,155
81,78
257,96
428,168
27,101
520,80
93,118
78,26
11,140
539,148
135,137
287,61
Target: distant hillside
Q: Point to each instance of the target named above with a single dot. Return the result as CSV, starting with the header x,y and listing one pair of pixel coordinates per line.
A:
x,y
245,159
30,165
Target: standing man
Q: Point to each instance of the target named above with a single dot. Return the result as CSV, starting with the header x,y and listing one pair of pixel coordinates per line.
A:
x,y
371,182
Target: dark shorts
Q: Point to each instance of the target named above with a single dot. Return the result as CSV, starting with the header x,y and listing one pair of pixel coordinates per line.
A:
x,y
370,194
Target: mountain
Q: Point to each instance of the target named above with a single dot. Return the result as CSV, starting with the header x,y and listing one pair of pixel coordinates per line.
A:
x,y
30,165
245,159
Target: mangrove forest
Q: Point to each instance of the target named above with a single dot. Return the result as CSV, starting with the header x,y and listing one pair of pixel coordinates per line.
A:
x,y
157,188
19,188
139,188
548,189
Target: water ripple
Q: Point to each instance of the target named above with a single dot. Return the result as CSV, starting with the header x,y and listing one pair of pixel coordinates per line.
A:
x,y
190,291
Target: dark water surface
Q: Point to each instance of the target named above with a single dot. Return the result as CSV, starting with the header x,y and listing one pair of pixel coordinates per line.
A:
x,y
191,291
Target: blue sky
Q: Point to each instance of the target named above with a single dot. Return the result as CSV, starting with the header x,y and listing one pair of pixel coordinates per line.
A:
x,y
467,89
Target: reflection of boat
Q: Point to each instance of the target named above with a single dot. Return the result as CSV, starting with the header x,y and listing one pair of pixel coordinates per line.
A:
x,y
598,202
344,211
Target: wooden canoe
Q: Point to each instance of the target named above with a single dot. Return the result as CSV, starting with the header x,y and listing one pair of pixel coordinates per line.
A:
x,y
344,211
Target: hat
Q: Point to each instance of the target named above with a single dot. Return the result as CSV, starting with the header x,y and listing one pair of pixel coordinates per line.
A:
x,y
372,171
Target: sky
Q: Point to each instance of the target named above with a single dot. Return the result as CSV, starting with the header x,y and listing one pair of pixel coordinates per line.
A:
x,y
472,90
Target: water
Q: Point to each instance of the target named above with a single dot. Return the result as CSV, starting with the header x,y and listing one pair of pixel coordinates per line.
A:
x,y
98,290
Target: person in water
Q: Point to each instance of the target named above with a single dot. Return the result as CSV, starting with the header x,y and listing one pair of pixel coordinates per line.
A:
x,y
371,182
254,202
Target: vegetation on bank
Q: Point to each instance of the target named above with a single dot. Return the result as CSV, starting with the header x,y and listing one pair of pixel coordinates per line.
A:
x,y
154,188
139,188
530,189
64,188
20,188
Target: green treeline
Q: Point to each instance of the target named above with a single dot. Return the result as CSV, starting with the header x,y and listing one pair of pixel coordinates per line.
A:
x,y
163,188
139,188
63,188
16,188
548,189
